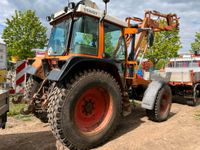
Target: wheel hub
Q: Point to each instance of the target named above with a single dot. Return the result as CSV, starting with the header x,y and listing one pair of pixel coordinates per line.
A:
x,y
88,107
164,104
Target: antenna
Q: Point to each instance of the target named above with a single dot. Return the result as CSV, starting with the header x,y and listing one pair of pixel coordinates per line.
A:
x,y
106,1
105,11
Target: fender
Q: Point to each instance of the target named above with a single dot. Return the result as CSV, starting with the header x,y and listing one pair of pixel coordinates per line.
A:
x,y
35,68
74,64
31,70
151,93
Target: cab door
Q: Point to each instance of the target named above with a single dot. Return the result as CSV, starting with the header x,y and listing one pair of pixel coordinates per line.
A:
x,y
114,45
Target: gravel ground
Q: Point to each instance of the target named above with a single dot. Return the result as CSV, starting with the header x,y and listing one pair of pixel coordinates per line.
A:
x,y
135,132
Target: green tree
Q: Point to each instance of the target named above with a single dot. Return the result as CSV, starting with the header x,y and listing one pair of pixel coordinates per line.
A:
x,y
196,44
108,43
23,32
166,45
87,38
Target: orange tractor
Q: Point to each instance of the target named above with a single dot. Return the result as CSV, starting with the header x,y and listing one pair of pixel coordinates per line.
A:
x,y
83,84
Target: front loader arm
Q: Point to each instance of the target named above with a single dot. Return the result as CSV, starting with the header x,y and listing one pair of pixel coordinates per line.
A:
x,y
144,27
147,24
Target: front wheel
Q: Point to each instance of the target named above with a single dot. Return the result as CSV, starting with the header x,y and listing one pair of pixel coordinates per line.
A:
x,y
162,105
85,112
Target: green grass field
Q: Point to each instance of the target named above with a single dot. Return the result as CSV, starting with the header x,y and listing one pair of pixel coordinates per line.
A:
x,y
14,111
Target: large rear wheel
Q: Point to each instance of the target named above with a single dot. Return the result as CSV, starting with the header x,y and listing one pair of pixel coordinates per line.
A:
x,y
86,112
162,105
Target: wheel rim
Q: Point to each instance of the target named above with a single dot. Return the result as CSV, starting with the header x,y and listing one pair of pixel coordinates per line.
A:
x,y
93,110
164,103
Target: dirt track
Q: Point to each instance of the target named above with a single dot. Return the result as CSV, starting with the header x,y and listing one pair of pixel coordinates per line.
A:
x,y
136,132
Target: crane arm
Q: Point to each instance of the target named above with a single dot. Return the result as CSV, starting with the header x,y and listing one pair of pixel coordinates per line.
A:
x,y
149,23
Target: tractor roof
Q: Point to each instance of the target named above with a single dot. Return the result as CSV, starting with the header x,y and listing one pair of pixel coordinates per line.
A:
x,y
84,9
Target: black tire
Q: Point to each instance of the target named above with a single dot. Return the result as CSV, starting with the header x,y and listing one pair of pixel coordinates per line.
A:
x,y
162,105
62,110
30,89
196,96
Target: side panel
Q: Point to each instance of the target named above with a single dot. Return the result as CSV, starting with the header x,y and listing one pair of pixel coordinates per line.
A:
x,y
151,94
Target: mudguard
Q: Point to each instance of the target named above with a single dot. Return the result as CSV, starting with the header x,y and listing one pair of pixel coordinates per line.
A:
x,y
73,63
35,68
151,93
31,70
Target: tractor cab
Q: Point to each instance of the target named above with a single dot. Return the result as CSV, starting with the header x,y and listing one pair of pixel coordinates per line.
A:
x,y
82,31
85,30
86,37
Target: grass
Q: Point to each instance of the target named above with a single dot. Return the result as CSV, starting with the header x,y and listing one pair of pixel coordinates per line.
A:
x,y
197,115
14,111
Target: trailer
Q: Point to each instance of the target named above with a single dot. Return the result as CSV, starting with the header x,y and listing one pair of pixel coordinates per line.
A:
x,y
185,78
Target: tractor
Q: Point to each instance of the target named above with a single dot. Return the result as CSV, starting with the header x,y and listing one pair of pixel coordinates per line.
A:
x,y
84,83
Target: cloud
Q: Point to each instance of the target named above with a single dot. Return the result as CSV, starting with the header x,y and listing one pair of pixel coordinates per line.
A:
x,y
187,10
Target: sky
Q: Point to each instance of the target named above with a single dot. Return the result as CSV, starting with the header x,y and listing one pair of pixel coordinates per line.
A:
x,y
187,10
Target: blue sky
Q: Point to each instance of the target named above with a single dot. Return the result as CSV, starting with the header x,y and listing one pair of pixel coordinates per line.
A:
x,y
187,10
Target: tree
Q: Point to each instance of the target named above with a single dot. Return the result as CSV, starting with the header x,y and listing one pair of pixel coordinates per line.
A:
x,y
166,45
87,38
108,43
23,32
196,44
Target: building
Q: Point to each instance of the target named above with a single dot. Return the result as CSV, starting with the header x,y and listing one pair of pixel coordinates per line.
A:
x,y
3,59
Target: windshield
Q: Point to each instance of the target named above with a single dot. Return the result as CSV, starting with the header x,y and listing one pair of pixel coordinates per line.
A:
x,y
58,38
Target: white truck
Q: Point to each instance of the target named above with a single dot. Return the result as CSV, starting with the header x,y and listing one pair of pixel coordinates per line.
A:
x,y
185,78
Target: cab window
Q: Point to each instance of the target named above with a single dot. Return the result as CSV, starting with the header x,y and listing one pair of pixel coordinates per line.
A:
x,y
114,43
85,36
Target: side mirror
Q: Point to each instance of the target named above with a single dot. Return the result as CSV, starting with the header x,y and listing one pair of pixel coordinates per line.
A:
x,y
150,38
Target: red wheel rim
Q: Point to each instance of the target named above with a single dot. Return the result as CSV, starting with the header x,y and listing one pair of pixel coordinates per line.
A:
x,y
164,103
93,110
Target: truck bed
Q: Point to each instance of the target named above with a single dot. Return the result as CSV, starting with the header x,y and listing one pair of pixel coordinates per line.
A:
x,y
184,75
